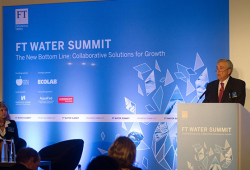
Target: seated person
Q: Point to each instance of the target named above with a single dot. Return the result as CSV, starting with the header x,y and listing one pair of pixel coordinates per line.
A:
x,y
123,150
8,129
27,159
103,163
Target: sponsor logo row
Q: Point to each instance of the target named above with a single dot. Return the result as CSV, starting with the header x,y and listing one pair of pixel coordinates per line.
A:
x,y
21,81
93,118
44,100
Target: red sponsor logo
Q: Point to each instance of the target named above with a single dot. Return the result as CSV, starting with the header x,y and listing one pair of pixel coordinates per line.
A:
x,y
65,99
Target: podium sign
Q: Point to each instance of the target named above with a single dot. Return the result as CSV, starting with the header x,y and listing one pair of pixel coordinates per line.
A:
x,y
213,136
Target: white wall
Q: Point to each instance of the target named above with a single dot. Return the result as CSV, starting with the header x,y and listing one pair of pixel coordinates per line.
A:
x,y
239,34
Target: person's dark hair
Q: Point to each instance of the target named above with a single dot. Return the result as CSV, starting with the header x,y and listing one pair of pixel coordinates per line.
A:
x,y
7,110
103,163
123,150
228,62
25,154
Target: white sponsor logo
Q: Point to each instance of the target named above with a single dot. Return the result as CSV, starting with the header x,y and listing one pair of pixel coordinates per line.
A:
x,y
22,97
22,102
20,82
47,81
21,16
46,100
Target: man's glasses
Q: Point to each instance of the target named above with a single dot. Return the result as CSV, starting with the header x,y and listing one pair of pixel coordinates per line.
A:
x,y
217,70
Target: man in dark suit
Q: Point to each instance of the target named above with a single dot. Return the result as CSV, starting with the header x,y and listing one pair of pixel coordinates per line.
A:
x,y
27,159
226,89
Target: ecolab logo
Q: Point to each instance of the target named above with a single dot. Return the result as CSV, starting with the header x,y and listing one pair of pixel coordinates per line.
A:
x,y
22,16
47,81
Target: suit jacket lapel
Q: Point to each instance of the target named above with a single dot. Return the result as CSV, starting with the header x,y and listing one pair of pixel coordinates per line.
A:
x,y
216,95
227,90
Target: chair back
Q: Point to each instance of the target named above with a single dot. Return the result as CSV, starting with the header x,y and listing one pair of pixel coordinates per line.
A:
x,y
64,155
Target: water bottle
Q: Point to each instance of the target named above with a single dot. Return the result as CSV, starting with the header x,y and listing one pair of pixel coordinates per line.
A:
x,y
12,152
79,167
4,152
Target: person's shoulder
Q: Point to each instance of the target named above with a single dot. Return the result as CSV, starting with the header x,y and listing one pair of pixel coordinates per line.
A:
x,y
238,81
213,82
12,121
18,166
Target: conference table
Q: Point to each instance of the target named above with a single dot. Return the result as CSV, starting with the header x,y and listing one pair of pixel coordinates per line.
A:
x,y
4,166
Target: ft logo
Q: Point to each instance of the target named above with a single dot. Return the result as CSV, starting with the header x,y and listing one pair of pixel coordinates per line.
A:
x,y
22,16
184,114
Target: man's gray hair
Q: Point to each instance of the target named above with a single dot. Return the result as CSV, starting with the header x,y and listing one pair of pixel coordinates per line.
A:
x,y
229,64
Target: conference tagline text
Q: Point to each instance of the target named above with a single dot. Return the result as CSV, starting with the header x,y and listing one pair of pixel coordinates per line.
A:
x,y
64,56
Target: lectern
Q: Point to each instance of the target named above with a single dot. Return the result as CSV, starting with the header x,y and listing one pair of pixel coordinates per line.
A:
x,y
213,136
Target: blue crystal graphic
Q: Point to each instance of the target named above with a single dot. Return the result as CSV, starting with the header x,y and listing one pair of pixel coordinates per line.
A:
x,y
150,83
205,162
179,75
135,133
140,90
136,137
143,68
157,67
200,167
124,126
169,78
226,164
215,164
163,147
198,62
218,148
102,151
142,146
190,88
149,108
145,162
175,162
174,100
169,157
140,75
184,71
173,135
157,98
131,106
103,135
172,107
201,83
191,71
195,100
197,146
162,80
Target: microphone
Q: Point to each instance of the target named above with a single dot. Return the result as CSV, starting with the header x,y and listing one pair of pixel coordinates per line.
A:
x,y
202,95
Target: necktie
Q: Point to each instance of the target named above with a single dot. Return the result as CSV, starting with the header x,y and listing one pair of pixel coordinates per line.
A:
x,y
221,91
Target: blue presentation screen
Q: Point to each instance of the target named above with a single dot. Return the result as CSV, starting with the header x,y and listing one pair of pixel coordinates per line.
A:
x,y
99,70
